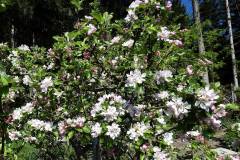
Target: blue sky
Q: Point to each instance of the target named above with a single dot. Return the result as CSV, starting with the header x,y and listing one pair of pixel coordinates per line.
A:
x,y
188,5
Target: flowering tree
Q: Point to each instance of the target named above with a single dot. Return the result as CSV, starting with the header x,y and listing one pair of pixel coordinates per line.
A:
x,y
125,89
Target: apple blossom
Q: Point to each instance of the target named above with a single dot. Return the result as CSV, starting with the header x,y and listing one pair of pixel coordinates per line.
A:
x,y
113,130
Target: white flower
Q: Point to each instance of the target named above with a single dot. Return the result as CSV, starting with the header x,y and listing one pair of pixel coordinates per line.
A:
x,y
62,127
169,5
3,44
97,108
128,43
193,133
135,4
28,108
27,80
88,17
216,123
116,39
177,108
163,75
79,121
16,79
14,135
206,98
47,82
58,94
189,69
30,139
11,95
138,130
161,121
24,47
110,114
220,111
164,34
48,126
76,122
113,131
168,138
17,114
114,62
177,42
159,155
162,95
180,87
96,130
135,77
50,66
131,16
91,29
158,5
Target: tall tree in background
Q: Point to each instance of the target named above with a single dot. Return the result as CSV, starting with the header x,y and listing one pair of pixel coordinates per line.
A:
x,y
234,64
201,46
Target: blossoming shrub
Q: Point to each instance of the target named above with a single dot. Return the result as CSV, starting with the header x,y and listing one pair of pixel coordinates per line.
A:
x,y
126,89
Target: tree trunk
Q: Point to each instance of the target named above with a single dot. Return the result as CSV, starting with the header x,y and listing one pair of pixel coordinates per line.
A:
x,y
3,130
12,36
33,39
234,64
96,150
201,46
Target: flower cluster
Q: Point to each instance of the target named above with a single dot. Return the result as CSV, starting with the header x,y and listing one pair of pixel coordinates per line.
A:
x,y
47,82
96,130
14,135
163,95
110,106
40,125
206,98
138,130
70,123
162,76
131,11
135,77
168,138
129,43
165,34
113,130
27,80
91,29
24,47
159,155
19,112
116,39
193,133
177,108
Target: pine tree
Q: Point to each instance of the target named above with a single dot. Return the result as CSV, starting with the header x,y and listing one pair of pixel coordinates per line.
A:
x,y
234,64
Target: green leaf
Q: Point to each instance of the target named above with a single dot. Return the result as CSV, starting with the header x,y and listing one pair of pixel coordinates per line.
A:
x,y
97,16
233,107
142,157
77,4
86,129
70,134
4,81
